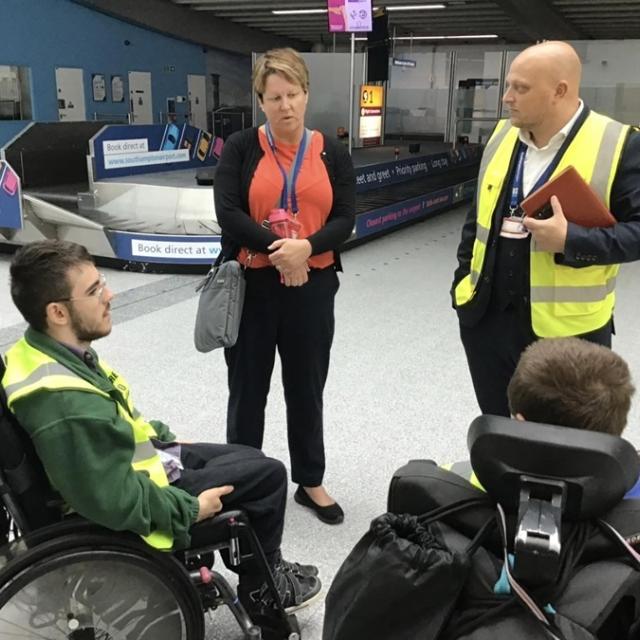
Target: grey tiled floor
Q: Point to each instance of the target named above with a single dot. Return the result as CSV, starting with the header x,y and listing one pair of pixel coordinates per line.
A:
x,y
398,386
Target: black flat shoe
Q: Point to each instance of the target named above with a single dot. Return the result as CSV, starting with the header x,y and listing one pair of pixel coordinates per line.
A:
x,y
332,514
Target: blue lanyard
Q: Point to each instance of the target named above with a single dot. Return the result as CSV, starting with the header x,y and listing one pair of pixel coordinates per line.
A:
x,y
290,179
516,185
517,194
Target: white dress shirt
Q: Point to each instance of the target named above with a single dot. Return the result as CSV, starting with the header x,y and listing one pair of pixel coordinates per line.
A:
x,y
538,159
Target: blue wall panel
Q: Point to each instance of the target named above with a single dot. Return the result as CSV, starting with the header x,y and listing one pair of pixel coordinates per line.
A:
x,y
45,34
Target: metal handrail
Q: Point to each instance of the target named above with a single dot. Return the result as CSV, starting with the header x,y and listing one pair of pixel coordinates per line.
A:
x,y
459,120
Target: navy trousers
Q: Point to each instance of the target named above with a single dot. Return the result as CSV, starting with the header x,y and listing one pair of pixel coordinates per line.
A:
x,y
260,485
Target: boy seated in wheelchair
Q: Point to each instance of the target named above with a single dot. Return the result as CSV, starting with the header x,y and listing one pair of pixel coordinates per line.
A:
x,y
569,382
111,465
553,509
572,383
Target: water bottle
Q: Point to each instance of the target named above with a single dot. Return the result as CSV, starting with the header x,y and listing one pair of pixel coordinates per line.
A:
x,y
283,224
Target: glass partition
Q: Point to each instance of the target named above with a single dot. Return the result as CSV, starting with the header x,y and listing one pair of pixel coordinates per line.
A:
x,y
477,94
417,97
610,80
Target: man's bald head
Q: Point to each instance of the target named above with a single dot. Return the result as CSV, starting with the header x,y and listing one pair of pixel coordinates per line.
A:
x,y
542,89
557,60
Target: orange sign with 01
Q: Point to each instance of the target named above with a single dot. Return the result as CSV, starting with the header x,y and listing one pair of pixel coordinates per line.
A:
x,y
371,95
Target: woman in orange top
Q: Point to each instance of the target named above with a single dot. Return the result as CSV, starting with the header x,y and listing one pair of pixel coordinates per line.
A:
x,y
291,282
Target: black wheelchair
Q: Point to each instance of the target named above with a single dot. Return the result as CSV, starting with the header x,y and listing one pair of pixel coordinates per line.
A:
x,y
550,518
66,578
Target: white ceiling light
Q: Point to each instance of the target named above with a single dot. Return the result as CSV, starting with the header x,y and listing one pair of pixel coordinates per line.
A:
x,y
403,7
467,37
416,7
463,37
291,12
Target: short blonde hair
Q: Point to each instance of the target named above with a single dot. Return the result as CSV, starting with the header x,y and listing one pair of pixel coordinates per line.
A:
x,y
286,62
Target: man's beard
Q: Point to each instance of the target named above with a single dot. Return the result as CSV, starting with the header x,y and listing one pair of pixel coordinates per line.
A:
x,y
84,333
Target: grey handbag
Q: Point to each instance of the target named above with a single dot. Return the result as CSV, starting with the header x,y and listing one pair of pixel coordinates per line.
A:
x,y
220,306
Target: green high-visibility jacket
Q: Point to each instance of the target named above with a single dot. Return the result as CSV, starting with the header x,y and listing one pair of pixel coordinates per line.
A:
x,y
95,446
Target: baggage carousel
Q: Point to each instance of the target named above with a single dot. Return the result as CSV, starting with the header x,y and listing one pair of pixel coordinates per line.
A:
x,y
135,201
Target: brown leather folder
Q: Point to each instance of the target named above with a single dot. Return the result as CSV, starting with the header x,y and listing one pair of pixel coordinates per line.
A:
x,y
580,203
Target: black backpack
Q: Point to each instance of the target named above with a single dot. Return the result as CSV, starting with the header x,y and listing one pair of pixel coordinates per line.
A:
x,y
400,582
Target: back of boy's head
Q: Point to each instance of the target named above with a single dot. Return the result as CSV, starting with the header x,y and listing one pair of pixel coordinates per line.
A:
x,y
572,383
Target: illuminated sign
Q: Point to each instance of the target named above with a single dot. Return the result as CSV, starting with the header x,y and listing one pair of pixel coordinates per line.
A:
x,y
349,15
371,103
371,96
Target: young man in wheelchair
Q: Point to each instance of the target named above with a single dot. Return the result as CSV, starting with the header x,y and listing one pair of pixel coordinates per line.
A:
x,y
111,465
572,383
544,552
568,382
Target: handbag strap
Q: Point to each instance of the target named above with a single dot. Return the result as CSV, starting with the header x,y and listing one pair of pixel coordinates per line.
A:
x,y
214,267
219,260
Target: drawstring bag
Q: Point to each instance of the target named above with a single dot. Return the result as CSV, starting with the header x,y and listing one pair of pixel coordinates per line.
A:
x,y
400,582
220,306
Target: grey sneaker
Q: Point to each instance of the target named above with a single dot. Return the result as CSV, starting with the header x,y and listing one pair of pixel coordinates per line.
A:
x,y
295,591
304,570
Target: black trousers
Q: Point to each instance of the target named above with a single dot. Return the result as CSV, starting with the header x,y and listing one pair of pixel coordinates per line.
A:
x,y
260,485
493,348
299,323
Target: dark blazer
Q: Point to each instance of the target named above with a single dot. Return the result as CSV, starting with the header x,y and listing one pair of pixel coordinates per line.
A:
x,y
584,247
239,160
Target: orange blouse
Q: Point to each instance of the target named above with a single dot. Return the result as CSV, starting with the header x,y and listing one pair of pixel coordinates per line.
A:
x,y
313,191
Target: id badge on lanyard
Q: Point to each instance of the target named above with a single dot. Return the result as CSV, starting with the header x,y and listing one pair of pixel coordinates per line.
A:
x,y
512,225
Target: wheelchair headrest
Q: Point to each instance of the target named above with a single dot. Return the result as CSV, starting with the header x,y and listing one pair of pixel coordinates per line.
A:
x,y
597,468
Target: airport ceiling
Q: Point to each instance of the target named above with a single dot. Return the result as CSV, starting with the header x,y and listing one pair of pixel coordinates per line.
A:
x,y
513,21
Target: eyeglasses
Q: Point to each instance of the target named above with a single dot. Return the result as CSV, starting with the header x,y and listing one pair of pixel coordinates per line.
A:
x,y
98,292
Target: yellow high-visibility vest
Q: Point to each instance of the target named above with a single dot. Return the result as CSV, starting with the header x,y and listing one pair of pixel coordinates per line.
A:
x,y
464,469
564,301
30,370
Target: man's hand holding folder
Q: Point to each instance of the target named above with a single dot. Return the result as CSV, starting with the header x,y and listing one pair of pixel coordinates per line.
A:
x,y
550,234
566,198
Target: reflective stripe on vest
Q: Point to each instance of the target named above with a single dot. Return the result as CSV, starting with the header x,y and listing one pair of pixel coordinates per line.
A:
x,y
490,179
564,301
30,370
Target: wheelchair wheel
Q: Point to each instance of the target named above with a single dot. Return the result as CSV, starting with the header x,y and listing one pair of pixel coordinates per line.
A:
x,y
81,587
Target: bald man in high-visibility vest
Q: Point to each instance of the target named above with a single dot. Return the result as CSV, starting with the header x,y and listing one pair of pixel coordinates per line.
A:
x,y
520,279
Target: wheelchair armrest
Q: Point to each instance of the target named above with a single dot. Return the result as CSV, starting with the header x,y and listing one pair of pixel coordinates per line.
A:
x,y
216,530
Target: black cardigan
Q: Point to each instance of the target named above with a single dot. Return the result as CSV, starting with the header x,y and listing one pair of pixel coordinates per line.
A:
x,y
239,160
